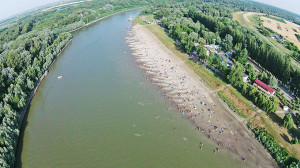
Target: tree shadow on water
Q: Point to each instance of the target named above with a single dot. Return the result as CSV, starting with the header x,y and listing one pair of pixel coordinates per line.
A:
x,y
19,151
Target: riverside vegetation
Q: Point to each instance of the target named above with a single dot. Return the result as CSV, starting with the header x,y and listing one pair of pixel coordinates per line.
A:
x,y
29,45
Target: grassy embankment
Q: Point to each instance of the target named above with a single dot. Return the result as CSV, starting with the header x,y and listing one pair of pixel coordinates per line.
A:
x,y
231,96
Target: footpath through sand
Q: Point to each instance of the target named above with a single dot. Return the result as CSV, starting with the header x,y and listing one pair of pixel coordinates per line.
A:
x,y
196,102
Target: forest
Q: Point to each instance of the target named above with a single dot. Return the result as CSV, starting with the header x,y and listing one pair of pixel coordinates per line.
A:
x,y
29,45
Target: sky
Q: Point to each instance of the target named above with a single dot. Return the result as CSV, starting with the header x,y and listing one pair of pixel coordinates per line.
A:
x,y
11,7
289,5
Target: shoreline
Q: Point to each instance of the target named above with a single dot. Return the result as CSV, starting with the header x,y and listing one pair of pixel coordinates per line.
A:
x,y
32,94
21,117
87,24
195,100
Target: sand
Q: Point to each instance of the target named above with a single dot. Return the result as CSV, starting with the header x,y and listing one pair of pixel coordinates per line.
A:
x,y
194,100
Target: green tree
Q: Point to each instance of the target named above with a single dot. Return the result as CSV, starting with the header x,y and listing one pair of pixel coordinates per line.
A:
x,y
294,165
201,51
227,43
288,121
237,50
272,81
252,76
189,46
235,74
294,140
242,57
163,12
263,76
265,32
271,105
13,60
210,58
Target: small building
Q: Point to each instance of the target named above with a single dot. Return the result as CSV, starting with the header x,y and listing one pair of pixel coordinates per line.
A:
x,y
245,77
285,108
212,47
278,37
217,47
264,87
228,54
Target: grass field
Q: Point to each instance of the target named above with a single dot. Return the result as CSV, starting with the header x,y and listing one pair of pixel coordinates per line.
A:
x,y
149,18
275,18
286,28
273,123
231,96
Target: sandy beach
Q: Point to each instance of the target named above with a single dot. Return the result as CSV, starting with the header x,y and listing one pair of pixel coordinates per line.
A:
x,y
195,101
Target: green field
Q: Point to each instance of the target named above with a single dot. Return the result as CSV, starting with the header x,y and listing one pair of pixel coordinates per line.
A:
x,y
275,18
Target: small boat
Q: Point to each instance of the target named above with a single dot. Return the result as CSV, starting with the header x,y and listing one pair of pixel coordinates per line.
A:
x,y
59,77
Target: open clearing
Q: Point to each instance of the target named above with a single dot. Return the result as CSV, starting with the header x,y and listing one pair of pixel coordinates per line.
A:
x,y
286,29
246,19
249,20
71,3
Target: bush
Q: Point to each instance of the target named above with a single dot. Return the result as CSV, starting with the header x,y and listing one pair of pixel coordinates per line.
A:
x,y
280,154
295,141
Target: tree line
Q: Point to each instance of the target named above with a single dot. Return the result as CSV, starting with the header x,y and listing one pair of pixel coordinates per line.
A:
x,y
22,63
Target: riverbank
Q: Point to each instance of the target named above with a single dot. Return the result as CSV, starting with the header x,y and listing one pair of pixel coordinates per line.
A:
x,y
32,93
102,19
196,102
23,113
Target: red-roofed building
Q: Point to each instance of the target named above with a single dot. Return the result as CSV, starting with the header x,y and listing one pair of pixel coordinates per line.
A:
x,y
264,87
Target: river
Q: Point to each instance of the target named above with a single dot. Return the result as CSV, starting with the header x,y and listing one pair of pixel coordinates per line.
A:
x,y
105,113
